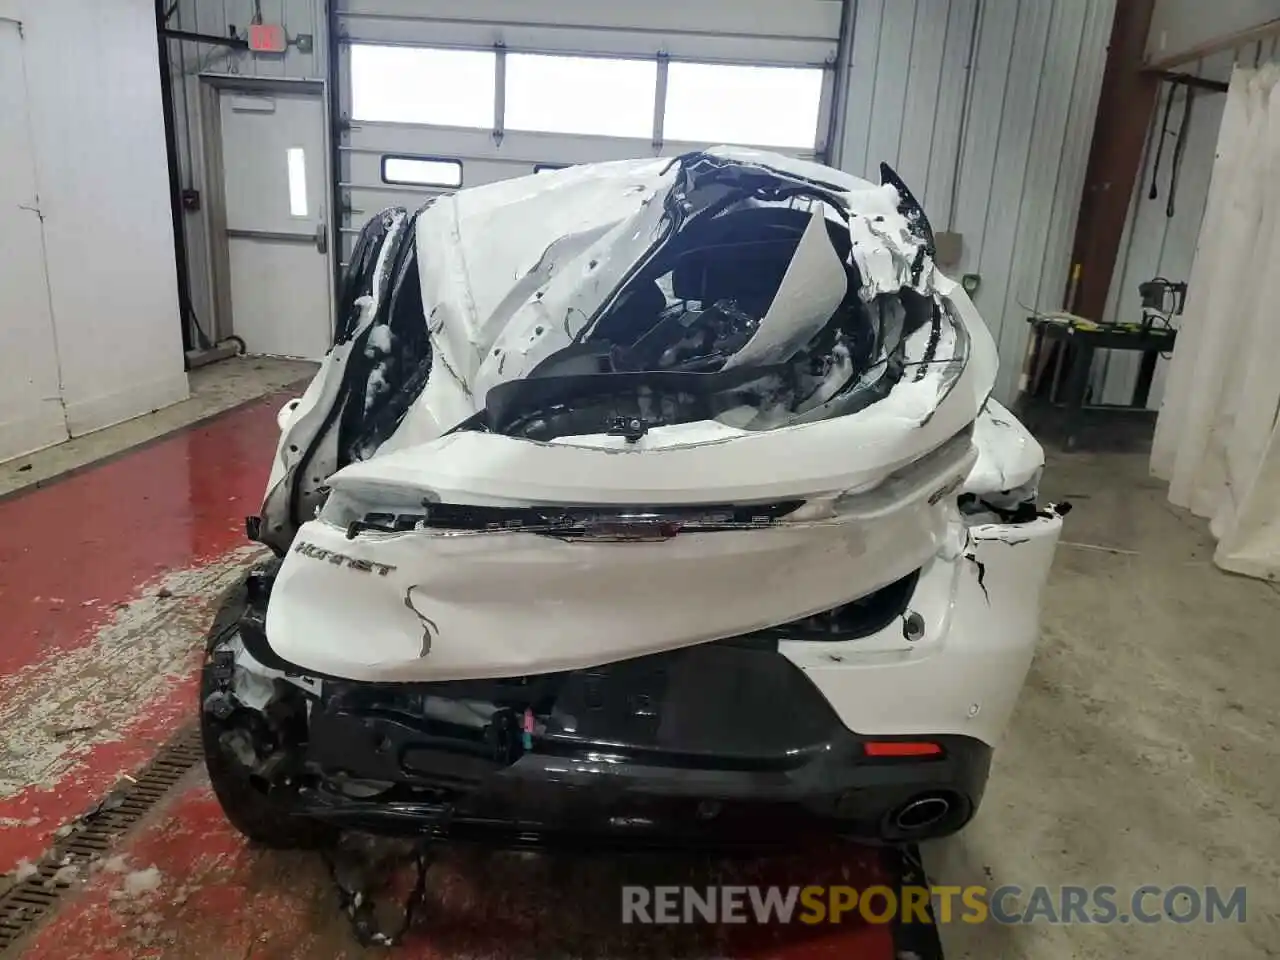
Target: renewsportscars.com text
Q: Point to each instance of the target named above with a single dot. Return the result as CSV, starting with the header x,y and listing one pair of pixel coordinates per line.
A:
x,y
1008,904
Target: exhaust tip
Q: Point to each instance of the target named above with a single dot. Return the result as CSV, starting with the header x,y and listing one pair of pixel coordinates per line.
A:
x,y
922,813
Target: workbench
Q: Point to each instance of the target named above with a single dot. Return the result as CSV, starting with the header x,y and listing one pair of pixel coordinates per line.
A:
x,y
1086,337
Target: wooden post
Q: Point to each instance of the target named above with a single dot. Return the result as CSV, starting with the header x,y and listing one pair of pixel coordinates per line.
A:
x,y
1125,108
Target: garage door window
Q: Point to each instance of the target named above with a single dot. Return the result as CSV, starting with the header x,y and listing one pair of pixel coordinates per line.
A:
x,y
422,171
580,95
453,88
711,103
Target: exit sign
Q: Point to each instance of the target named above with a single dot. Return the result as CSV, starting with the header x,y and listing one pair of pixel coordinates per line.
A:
x,y
267,38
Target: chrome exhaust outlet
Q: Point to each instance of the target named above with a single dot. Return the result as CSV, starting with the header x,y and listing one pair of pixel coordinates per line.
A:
x,y
922,813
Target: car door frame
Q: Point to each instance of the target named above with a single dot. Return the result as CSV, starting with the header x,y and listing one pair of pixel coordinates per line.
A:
x,y
213,86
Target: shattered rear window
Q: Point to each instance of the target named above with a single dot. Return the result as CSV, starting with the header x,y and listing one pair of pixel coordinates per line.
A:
x,y
753,312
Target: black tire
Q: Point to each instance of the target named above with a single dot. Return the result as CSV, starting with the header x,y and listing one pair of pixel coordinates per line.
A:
x,y
246,806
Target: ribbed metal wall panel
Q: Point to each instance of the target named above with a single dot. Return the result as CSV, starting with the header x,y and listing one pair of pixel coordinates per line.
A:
x,y
1032,91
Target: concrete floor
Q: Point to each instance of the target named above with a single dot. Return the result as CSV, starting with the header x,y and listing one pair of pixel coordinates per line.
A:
x,y
1144,746
1143,750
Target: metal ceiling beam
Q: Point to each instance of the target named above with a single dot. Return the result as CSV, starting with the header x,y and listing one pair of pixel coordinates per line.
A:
x,y
1190,80
1263,31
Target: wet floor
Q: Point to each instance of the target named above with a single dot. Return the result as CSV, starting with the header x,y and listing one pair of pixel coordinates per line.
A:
x,y
186,886
108,578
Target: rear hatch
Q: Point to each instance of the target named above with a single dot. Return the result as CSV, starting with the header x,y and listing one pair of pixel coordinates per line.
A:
x,y
618,410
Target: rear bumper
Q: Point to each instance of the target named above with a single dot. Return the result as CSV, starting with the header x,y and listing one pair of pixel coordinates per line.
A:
x,y
723,744
979,604
761,736
544,800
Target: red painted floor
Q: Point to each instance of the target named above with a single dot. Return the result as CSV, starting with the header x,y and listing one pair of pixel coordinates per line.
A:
x,y
108,580
211,896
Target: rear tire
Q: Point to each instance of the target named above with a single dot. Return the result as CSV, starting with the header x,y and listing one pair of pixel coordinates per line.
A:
x,y
246,806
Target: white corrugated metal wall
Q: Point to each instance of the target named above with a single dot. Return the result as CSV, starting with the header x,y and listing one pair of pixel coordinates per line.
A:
x,y
1032,96
1155,244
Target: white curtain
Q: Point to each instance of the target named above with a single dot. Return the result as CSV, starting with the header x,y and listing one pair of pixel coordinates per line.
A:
x,y
1216,439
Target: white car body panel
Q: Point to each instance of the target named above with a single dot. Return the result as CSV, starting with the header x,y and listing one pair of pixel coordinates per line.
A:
x,y
964,675
515,271
1009,457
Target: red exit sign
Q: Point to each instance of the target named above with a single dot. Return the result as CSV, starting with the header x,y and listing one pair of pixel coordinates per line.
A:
x,y
267,38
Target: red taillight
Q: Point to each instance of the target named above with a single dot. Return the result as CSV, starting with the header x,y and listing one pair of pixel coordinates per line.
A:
x,y
901,748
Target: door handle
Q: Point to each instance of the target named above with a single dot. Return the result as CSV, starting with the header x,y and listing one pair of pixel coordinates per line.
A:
x,y
322,239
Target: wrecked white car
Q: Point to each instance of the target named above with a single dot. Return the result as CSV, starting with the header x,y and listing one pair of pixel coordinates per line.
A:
x,y
637,498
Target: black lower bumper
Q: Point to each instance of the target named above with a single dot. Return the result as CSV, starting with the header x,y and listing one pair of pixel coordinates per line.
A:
x,y
538,805
714,744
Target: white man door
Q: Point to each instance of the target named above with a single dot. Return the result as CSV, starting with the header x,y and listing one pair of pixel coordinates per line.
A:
x,y
274,180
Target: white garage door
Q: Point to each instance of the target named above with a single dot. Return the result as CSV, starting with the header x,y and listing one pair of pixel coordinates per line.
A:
x,y
436,95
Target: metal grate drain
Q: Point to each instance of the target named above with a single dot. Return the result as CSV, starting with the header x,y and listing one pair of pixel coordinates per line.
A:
x,y
92,835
